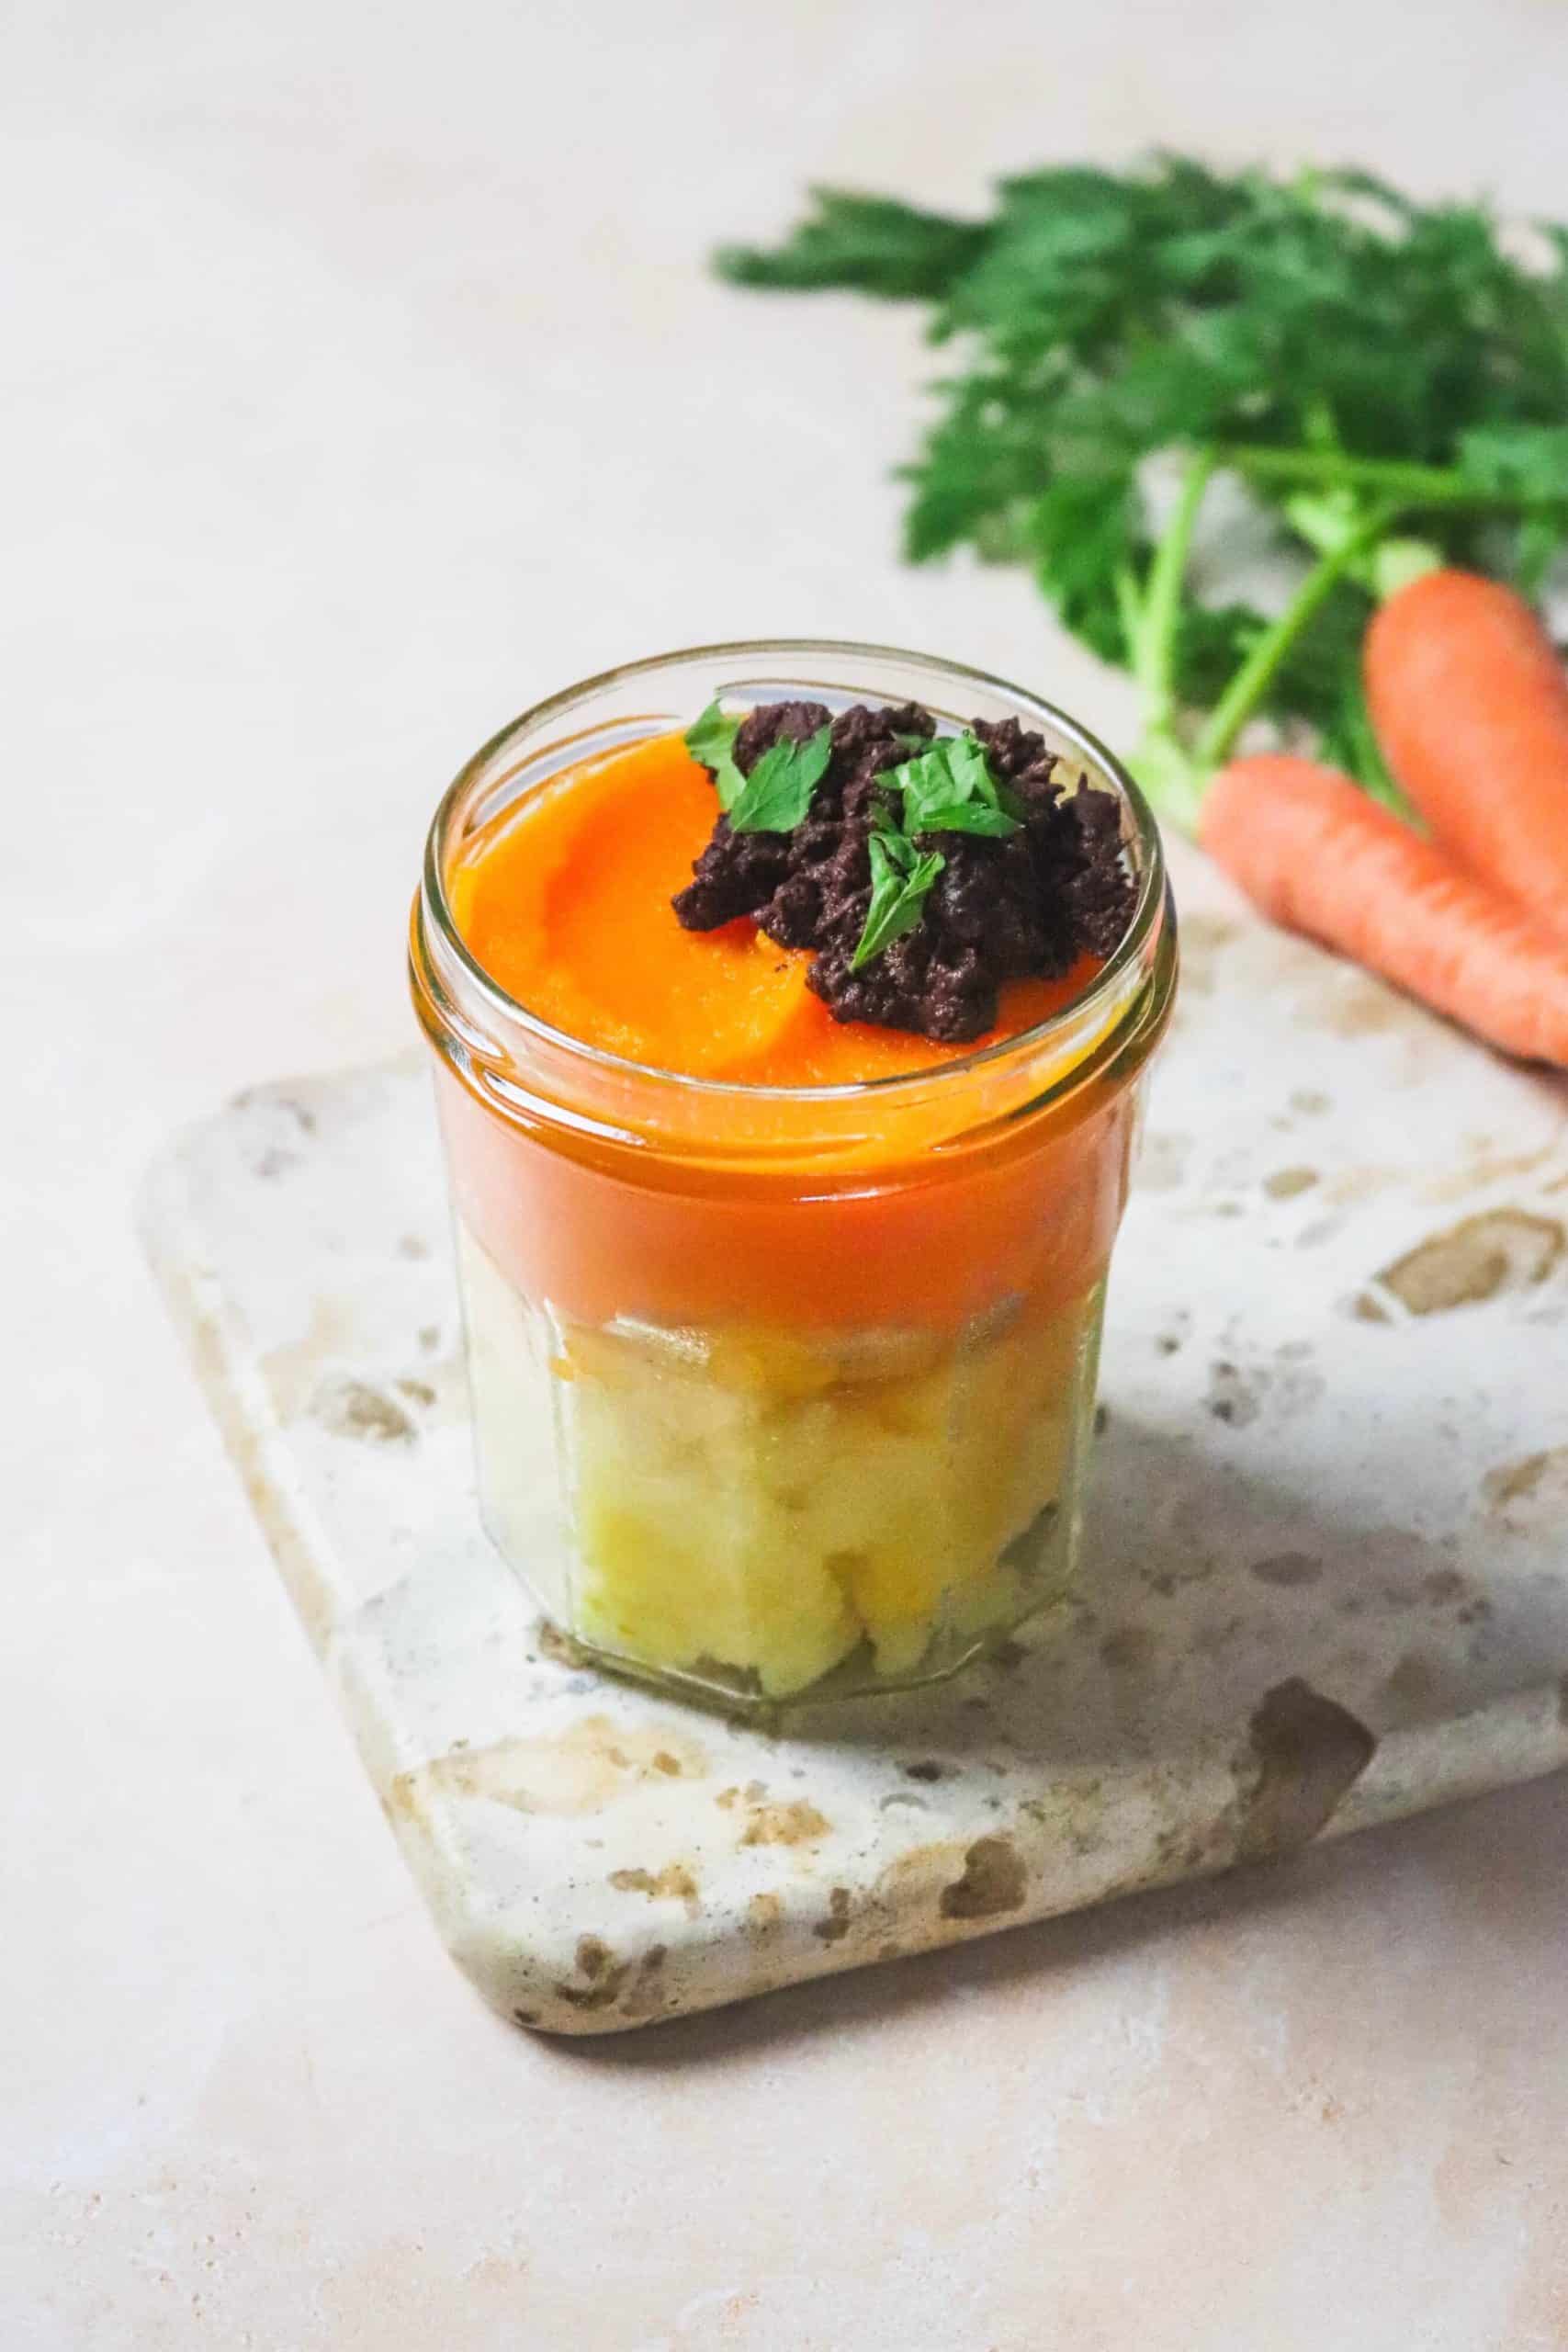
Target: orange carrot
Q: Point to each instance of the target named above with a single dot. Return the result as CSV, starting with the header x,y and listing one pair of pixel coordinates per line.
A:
x,y
1469,701
1314,852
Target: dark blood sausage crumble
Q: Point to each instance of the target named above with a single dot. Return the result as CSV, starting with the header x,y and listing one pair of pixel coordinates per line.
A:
x,y
1023,908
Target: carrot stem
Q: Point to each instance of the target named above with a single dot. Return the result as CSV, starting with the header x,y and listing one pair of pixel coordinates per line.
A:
x,y
1250,684
1155,653
1412,485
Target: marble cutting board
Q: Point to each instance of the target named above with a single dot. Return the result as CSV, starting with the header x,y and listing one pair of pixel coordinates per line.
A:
x,y
1328,1572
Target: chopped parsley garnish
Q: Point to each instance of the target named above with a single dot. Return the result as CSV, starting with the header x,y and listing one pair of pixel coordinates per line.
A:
x,y
777,794
840,825
776,797
900,878
711,740
947,789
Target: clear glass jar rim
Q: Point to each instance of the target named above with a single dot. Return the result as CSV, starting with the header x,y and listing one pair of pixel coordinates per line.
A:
x,y
435,906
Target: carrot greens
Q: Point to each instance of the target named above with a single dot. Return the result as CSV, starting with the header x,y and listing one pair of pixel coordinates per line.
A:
x,y
1386,381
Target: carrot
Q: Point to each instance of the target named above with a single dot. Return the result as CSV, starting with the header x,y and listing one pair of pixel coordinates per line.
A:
x,y
1314,852
1469,701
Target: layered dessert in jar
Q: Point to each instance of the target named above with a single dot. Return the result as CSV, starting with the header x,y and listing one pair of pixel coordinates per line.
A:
x,y
790,1007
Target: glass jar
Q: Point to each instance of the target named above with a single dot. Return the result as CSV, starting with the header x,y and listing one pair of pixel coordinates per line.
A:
x,y
783,1393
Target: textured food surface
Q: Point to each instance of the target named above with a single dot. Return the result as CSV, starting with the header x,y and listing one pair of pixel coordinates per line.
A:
x,y
1324,1577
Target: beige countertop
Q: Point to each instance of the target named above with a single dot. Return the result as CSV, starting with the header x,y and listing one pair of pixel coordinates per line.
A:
x,y
370,387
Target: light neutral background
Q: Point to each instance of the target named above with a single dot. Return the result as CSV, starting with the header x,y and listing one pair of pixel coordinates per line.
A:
x,y
364,382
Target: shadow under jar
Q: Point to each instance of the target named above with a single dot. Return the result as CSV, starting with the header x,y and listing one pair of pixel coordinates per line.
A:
x,y
783,1393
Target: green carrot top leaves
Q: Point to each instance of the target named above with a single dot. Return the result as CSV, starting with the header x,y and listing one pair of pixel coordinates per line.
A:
x,y
1388,379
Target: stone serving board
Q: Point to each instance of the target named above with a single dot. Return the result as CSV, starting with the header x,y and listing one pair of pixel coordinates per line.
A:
x,y
1328,1571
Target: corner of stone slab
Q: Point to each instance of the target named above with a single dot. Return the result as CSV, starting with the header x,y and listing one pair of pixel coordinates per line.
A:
x,y
589,1991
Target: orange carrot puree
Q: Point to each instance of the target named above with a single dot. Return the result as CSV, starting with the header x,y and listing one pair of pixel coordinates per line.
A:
x,y
567,905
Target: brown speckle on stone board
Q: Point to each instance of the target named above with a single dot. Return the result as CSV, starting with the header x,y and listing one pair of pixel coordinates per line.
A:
x,y
1479,1259
418,1392
1126,1648
764,1911
582,1768
1288,1569
1233,1396
647,1992
797,1824
836,1926
1357,1007
1413,1682
1286,1182
1510,1481
1305,1753
993,1881
926,1769
1531,1491
1204,939
1443,1584
675,1884
1161,1163
604,1975
353,1408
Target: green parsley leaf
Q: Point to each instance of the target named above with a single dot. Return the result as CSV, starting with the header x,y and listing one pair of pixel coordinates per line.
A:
x,y
969,816
953,775
886,828
710,739
897,899
776,795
